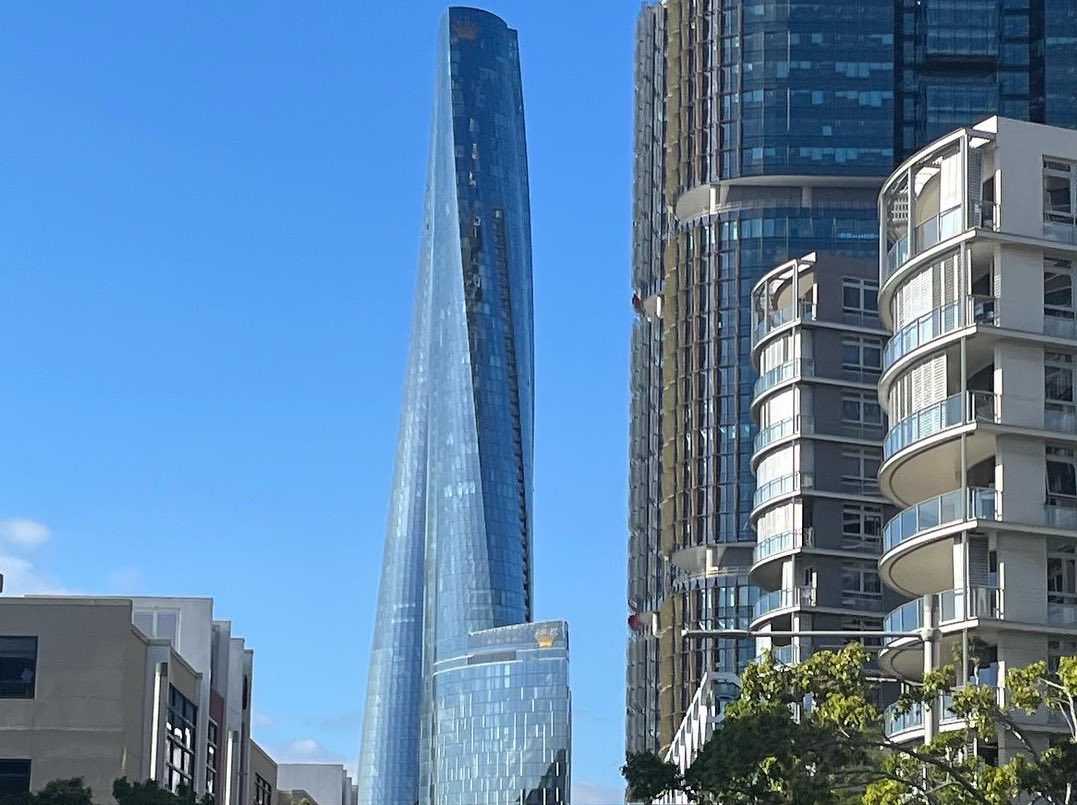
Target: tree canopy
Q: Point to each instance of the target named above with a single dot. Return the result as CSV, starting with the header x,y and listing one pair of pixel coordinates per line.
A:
x,y
813,734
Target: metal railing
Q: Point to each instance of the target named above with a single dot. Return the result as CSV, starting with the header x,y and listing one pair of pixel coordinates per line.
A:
x,y
798,367
785,485
1061,613
793,426
783,599
895,722
968,603
973,503
906,618
939,322
780,543
959,409
1060,512
773,319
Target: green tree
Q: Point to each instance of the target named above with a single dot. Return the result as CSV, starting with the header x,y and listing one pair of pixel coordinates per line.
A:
x,y
812,734
63,792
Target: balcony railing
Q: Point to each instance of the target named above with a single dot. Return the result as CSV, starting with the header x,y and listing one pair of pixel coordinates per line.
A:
x,y
1060,512
799,367
894,722
1061,613
780,543
794,426
1059,326
939,322
773,319
975,503
938,228
896,257
968,603
784,599
785,485
1060,417
959,409
906,618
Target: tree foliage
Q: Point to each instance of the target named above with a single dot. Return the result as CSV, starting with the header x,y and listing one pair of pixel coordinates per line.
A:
x,y
813,734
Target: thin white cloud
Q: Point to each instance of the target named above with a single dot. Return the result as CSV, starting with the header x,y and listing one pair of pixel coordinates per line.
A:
x,y
593,794
261,719
22,578
125,581
306,750
23,532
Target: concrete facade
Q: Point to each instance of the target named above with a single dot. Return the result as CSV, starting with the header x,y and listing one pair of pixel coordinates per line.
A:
x,y
978,254
818,513
143,688
322,783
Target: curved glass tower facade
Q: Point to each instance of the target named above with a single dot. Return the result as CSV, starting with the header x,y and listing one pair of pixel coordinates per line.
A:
x,y
467,700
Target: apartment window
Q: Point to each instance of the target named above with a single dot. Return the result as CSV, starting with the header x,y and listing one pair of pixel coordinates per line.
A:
x,y
263,791
1062,576
1058,289
861,526
18,667
1059,648
860,354
861,408
1058,390
1058,192
212,746
860,585
860,466
180,741
14,777
859,295
1061,472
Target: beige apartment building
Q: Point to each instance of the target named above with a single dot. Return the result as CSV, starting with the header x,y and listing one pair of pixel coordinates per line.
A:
x,y
143,688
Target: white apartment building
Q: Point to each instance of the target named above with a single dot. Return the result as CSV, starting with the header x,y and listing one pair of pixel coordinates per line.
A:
x,y
978,265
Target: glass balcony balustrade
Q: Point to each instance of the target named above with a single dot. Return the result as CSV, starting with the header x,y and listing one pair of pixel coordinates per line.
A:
x,y
929,233
974,503
783,599
785,485
799,367
794,426
773,319
906,618
959,409
939,322
780,543
895,722
969,603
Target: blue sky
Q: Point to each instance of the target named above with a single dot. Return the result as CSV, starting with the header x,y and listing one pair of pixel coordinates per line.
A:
x,y
209,225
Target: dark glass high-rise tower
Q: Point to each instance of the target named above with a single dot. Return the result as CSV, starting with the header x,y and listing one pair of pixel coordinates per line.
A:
x,y
778,121
467,700
960,61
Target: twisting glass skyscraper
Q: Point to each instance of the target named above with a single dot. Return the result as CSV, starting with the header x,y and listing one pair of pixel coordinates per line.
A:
x,y
468,700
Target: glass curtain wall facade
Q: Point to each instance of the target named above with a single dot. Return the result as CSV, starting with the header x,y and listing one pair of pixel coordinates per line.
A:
x,y
647,569
778,131
458,547
958,61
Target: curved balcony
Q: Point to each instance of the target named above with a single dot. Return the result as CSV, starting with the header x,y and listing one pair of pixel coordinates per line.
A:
x,y
787,428
783,655
920,451
959,409
781,486
924,530
790,370
768,551
903,726
927,234
779,601
941,321
774,319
